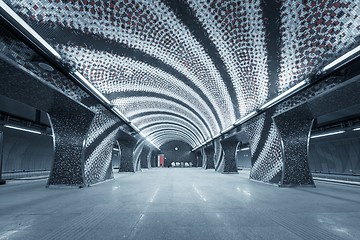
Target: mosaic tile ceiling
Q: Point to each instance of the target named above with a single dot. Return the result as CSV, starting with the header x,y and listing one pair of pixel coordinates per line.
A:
x,y
186,70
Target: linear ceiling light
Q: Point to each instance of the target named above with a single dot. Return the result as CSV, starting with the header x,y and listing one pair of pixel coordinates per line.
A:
x,y
327,134
244,149
283,95
23,129
347,57
356,129
28,29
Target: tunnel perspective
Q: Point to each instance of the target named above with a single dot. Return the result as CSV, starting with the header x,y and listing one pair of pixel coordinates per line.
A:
x,y
180,119
177,153
222,77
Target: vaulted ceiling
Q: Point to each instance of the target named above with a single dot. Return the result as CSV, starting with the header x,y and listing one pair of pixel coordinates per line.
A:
x,y
186,70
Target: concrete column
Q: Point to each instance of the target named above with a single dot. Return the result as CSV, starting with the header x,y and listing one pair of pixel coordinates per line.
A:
x,y
294,127
229,162
209,164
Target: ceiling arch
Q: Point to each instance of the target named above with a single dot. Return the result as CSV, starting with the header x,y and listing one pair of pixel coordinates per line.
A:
x,y
161,137
202,64
165,126
156,120
159,116
135,105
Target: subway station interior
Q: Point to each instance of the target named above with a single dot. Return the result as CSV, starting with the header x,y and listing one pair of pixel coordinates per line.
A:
x,y
180,119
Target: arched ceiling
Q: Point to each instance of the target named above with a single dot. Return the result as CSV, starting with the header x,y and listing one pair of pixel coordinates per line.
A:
x,y
186,70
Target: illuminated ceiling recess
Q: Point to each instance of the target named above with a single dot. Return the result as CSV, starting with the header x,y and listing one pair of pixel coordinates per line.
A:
x,y
192,70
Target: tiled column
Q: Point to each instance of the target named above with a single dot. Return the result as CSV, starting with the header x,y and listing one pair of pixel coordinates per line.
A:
x,y
153,160
137,154
127,155
229,162
99,146
150,158
144,163
265,146
199,157
209,158
70,128
218,155
294,127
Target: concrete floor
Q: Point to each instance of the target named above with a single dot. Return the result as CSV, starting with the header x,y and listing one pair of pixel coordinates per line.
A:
x,y
179,204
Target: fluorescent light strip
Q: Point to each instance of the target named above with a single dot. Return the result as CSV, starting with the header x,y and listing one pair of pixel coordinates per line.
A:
x,y
115,149
282,96
30,31
90,87
343,59
327,134
356,129
244,149
22,129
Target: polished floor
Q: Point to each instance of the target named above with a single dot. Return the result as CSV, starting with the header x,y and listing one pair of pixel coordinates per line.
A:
x,y
179,204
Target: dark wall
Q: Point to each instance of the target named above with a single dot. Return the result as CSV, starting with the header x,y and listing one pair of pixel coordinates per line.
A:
x,y
336,154
20,110
26,151
183,154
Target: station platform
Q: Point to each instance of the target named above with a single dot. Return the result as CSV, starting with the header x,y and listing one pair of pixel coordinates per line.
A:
x,y
179,203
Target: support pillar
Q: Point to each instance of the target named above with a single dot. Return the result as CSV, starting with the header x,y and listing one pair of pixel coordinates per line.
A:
x,y
137,154
70,128
1,156
127,155
149,158
209,164
144,163
229,162
153,160
294,127
101,137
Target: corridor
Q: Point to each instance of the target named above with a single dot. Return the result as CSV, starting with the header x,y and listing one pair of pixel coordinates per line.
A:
x,y
179,203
